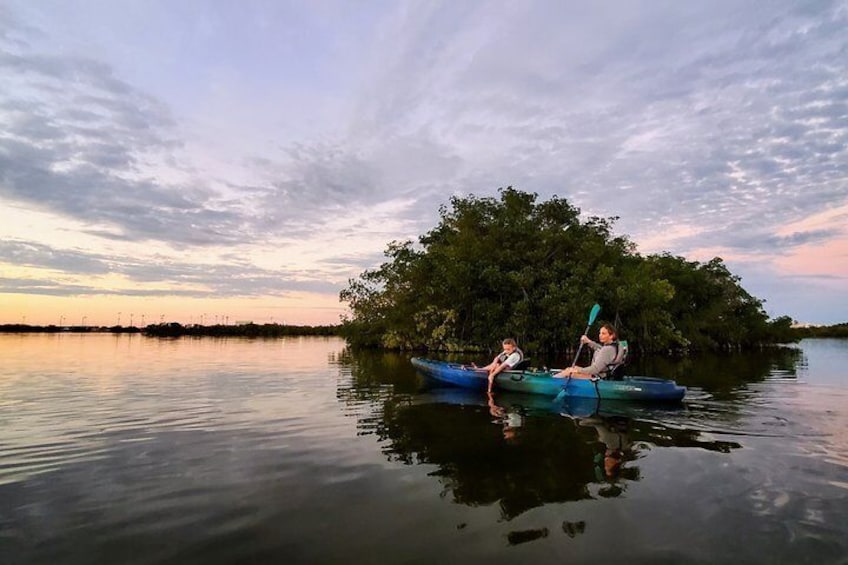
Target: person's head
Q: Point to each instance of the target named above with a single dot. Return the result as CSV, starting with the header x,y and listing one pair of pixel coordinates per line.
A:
x,y
607,334
612,462
509,345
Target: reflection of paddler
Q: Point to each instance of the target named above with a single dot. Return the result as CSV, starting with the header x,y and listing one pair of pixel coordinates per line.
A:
x,y
612,432
511,420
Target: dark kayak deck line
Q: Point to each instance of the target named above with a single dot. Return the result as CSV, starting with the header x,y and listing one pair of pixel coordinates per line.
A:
x,y
544,383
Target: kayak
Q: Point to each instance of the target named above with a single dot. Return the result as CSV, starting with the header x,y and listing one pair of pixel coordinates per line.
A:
x,y
544,383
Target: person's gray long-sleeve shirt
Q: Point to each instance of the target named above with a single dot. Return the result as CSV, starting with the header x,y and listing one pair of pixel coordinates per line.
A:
x,y
603,357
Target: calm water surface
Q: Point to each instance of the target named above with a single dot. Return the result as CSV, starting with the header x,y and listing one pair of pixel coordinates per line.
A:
x,y
126,449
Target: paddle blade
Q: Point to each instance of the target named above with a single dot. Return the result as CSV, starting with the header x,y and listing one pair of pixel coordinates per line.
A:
x,y
594,313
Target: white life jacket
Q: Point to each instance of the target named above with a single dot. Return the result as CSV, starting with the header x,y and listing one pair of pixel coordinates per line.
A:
x,y
504,356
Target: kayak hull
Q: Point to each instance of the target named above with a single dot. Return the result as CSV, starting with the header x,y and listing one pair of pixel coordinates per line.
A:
x,y
543,383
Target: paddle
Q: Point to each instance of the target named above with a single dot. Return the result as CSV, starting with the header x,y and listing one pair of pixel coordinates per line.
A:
x,y
593,313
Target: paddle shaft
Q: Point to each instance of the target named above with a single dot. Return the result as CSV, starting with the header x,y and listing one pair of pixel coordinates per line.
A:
x,y
562,392
579,349
593,314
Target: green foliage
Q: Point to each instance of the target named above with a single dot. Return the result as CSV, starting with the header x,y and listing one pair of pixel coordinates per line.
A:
x,y
836,330
515,267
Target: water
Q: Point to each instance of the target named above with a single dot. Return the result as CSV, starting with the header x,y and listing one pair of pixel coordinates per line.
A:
x,y
125,449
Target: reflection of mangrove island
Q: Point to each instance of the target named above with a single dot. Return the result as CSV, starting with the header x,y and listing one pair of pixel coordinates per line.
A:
x,y
480,464
514,450
174,329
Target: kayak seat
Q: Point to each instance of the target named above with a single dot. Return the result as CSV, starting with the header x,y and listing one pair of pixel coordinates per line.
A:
x,y
615,370
616,373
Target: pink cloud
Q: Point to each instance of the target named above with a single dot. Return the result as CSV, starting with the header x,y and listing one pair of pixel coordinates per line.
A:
x,y
824,259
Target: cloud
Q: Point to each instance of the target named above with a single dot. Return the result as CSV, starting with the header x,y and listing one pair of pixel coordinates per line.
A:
x,y
707,117
699,125
774,244
711,113
29,254
79,142
82,143
154,276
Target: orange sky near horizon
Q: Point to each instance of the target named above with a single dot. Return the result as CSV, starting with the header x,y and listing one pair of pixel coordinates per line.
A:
x,y
43,310
232,163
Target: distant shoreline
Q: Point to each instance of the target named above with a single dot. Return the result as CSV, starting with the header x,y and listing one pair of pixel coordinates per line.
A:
x,y
174,329
836,330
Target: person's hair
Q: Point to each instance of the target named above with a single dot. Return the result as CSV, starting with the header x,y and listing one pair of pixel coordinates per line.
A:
x,y
611,329
510,341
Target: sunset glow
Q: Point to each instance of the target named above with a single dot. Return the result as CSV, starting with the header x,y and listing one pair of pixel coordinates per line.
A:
x,y
245,162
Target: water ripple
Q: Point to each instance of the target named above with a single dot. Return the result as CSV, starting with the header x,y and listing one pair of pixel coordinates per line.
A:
x,y
146,451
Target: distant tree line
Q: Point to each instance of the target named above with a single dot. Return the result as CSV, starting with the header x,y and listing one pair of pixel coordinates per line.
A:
x,y
512,266
174,329
27,328
837,330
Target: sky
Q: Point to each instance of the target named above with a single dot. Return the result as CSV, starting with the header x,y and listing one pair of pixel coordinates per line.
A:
x,y
223,161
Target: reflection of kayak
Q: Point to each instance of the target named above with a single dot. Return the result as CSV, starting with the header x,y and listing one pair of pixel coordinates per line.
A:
x,y
573,406
528,404
663,424
543,383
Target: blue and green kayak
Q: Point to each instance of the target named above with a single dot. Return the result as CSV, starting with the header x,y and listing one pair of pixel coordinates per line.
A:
x,y
544,383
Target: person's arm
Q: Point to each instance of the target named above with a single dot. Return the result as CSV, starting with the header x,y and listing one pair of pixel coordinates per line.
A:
x,y
505,366
593,345
488,367
575,372
497,368
599,364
